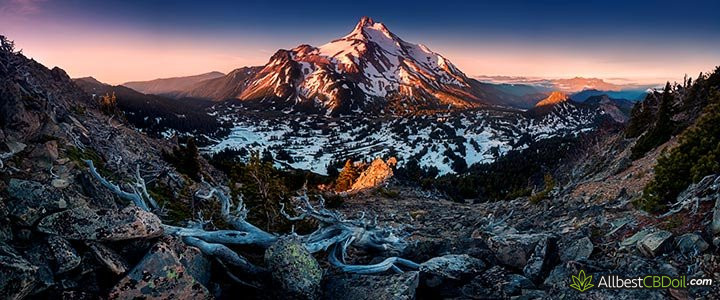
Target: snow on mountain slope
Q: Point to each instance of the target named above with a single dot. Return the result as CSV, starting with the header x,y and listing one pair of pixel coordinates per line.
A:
x,y
314,142
368,70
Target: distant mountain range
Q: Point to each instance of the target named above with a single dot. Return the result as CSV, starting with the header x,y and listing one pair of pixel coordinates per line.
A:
x,y
170,86
567,85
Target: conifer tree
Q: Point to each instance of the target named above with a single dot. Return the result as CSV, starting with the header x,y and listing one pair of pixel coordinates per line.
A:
x,y
347,177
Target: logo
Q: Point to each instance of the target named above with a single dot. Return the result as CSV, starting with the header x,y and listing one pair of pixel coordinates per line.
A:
x,y
581,282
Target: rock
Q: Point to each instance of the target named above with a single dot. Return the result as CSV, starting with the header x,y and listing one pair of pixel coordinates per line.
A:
x,y
558,277
295,272
515,284
542,259
655,243
159,275
60,183
17,275
66,258
446,273
490,284
514,250
359,287
691,243
632,241
715,224
32,200
45,153
578,250
376,174
40,255
83,223
450,267
531,294
195,262
109,258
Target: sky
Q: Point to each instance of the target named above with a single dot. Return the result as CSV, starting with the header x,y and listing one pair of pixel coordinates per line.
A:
x,y
119,41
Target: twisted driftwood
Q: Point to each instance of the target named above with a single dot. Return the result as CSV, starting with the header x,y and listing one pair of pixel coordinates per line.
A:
x,y
334,234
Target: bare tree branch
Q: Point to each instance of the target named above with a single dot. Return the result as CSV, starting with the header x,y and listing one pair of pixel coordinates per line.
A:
x,y
133,197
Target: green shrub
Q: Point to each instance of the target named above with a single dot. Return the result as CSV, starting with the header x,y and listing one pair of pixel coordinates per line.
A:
x,y
696,156
549,186
387,193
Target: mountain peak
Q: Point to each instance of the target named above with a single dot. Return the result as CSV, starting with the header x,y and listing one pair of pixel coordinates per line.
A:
x,y
365,21
367,29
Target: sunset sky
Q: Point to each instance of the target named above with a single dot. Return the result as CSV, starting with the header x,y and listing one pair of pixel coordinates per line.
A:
x,y
119,41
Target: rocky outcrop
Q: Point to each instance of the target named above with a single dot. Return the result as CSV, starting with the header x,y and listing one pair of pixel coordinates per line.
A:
x,y
375,175
102,225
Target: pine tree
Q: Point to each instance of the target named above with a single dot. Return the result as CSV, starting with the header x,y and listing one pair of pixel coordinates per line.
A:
x,y
108,104
662,129
347,177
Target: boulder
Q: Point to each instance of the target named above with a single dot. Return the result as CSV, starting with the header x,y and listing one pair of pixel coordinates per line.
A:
x,y
577,250
450,267
635,238
514,250
490,284
558,277
542,260
17,275
359,287
32,200
655,243
715,224
66,258
445,274
691,243
515,284
295,272
83,223
195,262
39,254
108,257
159,275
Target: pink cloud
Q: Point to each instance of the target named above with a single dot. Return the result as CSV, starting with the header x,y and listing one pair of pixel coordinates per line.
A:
x,y
20,7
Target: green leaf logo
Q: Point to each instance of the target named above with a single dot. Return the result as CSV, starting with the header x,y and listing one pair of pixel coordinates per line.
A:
x,y
581,282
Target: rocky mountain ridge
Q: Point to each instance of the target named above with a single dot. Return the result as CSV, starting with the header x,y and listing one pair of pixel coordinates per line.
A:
x,y
170,86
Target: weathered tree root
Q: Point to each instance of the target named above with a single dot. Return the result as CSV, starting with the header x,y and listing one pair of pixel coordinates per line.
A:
x,y
335,233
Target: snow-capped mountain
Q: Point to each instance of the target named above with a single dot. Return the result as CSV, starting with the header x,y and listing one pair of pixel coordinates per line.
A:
x,y
369,69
